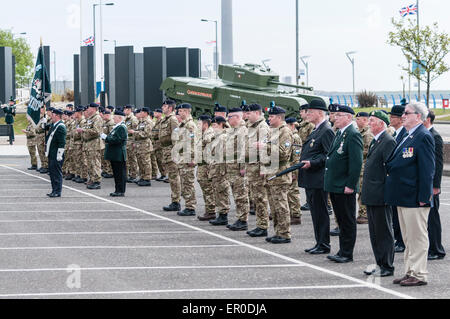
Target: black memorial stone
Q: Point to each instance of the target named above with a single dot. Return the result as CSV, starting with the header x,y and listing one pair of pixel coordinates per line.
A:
x,y
155,72
5,74
110,79
125,76
87,75
177,62
195,63
139,79
76,79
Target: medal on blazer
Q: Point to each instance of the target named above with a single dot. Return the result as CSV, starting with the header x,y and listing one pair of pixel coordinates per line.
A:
x,y
340,149
408,152
312,143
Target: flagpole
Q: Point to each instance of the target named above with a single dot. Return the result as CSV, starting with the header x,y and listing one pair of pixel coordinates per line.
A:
x,y
43,72
418,50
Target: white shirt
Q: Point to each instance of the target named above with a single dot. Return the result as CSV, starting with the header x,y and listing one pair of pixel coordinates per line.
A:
x,y
378,135
342,130
398,131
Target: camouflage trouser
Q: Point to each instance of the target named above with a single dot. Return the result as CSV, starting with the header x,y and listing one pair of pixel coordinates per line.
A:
x,y
132,165
67,161
41,151
362,211
250,197
206,184
80,165
294,199
32,151
239,188
187,178
173,174
94,166
145,164
279,208
221,189
106,165
154,165
160,161
259,195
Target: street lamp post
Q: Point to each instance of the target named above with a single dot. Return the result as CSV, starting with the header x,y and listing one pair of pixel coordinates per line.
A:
x,y
216,56
21,33
115,42
306,64
352,61
95,38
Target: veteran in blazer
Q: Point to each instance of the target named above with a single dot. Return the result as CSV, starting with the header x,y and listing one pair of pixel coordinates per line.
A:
x,y
342,171
116,152
409,186
310,176
55,142
372,195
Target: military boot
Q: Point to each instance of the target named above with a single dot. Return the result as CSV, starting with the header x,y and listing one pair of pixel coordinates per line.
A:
x,y
257,232
207,216
173,207
43,170
108,175
305,207
69,177
296,220
32,168
186,212
144,182
161,178
94,185
238,225
221,220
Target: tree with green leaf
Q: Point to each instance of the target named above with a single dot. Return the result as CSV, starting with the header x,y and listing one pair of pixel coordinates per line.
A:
x,y
24,58
426,46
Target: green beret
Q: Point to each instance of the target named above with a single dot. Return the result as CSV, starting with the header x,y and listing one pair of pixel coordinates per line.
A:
x,y
381,115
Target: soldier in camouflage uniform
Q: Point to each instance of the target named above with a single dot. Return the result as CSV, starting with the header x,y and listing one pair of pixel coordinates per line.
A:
x,y
152,154
245,108
131,123
40,141
258,131
157,150
235,149
294,190
362,120
279,149
169,125
30,132
204,177
77,146
305,128
108,125
143,146
187,141
91,131
218,169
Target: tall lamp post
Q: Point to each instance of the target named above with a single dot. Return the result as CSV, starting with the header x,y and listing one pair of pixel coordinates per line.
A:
x,y
21,33
306,64
216,55
115,42
95,38
352,61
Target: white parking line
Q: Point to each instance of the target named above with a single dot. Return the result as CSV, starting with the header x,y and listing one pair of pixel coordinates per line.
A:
x,y
117,247
69,211
49,201
78,220
85,293
268,252
101,233
39,197
153,268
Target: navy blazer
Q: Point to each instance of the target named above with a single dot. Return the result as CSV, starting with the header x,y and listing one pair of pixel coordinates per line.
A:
x,y
439,157
315,150
401,135
410,171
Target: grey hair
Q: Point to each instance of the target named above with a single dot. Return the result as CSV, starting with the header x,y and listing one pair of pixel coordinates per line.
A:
x,y
420,108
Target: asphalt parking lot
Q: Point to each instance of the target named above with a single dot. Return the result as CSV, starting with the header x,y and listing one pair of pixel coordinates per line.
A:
x,y
89,245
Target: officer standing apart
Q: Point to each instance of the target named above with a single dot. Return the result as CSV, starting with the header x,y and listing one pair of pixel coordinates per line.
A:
x,y
342,170
116,152
55,143
10,112
168,125
372,195
409,186
310,176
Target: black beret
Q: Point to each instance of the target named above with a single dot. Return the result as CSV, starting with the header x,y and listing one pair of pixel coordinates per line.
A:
x,y
110,107
11,99
317,104
291,120
79,108
220,108
129,106
94,105
204,117
304,107
69,105
169,102
50,109
255,107
332,108
245,108
362,114
57,112
276,110
68,113
218,119
137,111
151,114
119,112
235,110
146,109
185,106
158,111
344,109
397,110
106,112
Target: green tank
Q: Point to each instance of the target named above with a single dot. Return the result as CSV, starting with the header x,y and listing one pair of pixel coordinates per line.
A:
x,y
250,83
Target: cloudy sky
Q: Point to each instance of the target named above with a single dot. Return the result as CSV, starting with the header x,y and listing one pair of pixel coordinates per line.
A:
x,y
263,29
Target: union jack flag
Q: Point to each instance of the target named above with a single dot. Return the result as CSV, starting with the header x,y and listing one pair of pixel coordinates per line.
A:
x,y
89,42
412,9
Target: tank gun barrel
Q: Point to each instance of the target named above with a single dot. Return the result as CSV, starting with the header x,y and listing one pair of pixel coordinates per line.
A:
x,y
292,85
